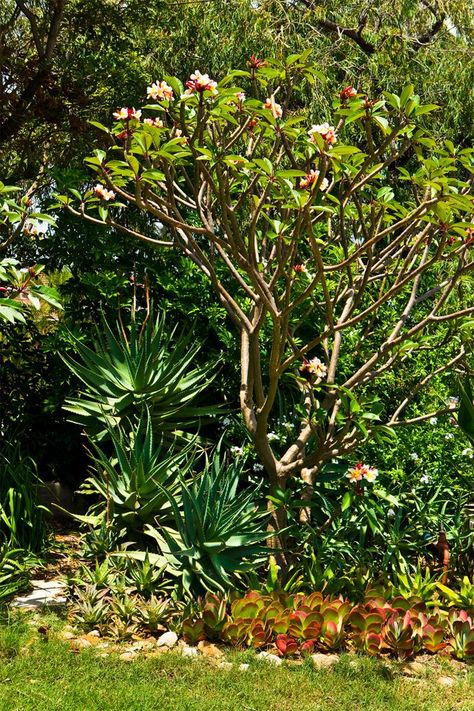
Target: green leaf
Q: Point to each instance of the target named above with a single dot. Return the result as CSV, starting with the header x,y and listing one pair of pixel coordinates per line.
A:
x,y
346,501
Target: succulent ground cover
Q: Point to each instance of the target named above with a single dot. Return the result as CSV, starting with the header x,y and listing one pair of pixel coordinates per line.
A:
x,y
289,625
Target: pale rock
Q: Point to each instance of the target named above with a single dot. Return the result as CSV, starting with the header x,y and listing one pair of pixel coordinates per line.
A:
x,y
446,681
208,649
190,652
324,661
79,643
128,656
67,635
168,640
271,658
414,669
225,665
244,667
94,633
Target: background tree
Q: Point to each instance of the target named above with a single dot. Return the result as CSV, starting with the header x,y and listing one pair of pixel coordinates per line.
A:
x,y
117,47
306,241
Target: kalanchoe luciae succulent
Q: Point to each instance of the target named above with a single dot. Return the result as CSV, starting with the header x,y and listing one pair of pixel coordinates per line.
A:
x,y
461,627
286,645
193,630
433,638
399,636
214,613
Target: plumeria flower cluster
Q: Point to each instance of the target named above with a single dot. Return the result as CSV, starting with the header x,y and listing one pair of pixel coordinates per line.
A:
x,y
256,63
126,114
327,133
270,103
347,93
362,471
199,83
158,123
313,370
101,192
160,91
310,180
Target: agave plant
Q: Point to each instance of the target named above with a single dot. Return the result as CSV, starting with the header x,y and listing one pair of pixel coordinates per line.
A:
x,y
136,483
218,531
147,366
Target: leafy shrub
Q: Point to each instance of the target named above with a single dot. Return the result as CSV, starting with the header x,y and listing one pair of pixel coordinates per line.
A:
x,y
15,564
359,535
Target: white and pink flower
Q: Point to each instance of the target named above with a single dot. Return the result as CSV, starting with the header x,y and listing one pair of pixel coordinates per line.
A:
x,y
158,123
362,471
311,179
200,83
101,192
275,108
160,91
125,114
313,370
327,133
347,93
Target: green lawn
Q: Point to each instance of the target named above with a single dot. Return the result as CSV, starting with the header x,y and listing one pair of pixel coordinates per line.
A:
x,y
47,676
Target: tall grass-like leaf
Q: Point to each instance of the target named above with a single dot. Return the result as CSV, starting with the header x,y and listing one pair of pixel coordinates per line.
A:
x,y
466,409
22,522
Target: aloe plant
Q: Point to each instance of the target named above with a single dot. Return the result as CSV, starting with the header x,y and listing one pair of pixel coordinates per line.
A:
x,y
135,484
217,533
148,366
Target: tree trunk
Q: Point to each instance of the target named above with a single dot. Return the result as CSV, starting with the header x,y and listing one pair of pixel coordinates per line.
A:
x,y
307,475
277,525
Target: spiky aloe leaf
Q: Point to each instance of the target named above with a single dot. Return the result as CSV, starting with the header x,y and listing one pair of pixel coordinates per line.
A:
x,y
148,366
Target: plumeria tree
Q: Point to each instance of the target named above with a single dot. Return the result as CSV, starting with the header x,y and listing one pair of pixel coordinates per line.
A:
x,y
311,232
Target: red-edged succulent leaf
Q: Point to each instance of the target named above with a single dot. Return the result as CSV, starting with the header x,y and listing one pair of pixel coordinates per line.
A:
x,y
305,625
193,630
433,638
234,632
308,646
249,606
314,601
462,638
214,613
397,635
279,625
373,643
257,634
332,635
366,621
286,645
274,611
